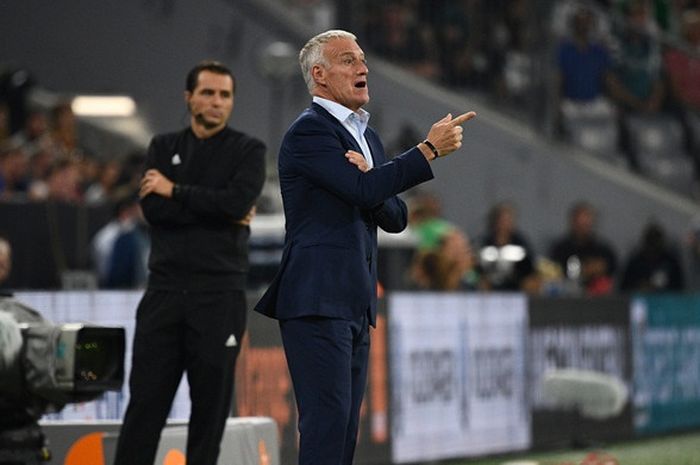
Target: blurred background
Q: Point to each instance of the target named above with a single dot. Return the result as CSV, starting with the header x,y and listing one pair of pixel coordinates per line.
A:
x,y
576,190
579,102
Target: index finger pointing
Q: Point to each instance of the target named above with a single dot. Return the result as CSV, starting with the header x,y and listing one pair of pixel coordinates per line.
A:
x,y
462,118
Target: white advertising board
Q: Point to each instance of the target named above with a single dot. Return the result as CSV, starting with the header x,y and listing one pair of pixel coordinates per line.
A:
x,y
457,375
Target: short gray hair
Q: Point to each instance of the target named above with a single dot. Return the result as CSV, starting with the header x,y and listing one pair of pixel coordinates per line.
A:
x,y
312,53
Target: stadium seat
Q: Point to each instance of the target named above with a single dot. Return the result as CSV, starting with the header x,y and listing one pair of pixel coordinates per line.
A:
x,y
594,128
658,142
661,134
672,170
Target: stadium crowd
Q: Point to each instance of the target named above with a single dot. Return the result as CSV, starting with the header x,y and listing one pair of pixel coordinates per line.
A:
x,y
43,161
638,56
578,262
615,58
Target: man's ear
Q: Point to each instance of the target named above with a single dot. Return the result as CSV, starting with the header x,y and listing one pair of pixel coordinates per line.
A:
x,y
188,96
318,73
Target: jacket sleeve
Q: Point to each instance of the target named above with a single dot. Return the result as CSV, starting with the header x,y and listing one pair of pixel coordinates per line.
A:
x,y
233,202
157,209
391,215
316,152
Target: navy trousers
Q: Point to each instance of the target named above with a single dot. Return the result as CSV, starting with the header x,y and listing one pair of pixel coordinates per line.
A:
x,y
327,359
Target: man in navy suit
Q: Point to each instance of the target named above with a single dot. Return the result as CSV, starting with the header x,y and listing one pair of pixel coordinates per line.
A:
x,y
337,188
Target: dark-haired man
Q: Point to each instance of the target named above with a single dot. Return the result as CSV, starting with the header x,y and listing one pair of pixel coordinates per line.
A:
x,y
198,195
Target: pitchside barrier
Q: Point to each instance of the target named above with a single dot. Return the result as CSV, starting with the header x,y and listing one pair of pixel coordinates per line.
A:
x,y
451,375
590,334
246,441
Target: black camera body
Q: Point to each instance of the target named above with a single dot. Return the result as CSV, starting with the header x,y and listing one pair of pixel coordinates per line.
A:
x,y
43,367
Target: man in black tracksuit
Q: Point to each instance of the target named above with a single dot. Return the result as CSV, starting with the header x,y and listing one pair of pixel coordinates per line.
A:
x,y
198,195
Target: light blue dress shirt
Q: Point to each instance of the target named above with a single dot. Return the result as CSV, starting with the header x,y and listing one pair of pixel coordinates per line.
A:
x,y
354,122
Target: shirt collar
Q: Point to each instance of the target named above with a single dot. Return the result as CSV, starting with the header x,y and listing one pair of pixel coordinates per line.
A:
x,y
342,113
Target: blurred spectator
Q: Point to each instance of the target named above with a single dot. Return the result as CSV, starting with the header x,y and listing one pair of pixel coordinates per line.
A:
x,y
654,266
450,266
62,183
684,83
509,46
584,67
505,258
103,188
552,282
89,168
620,11
4,123
14,172
39,168
683,68
585,259
668,15
563,10
64,136
584,62
462,61
120,248
15,85
425,219
636,84
33,136
5,260
393,31
132,168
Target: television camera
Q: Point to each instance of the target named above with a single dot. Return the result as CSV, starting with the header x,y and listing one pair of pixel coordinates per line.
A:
x,y
43,367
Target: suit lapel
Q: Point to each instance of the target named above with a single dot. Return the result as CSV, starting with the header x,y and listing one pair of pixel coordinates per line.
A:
x,y
346,136
375,146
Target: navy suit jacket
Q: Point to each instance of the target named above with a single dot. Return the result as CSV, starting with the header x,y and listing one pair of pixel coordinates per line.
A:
x,y
332,210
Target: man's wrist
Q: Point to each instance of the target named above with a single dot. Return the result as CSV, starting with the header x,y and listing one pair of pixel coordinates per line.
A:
x,y
432,148
425,150
176,192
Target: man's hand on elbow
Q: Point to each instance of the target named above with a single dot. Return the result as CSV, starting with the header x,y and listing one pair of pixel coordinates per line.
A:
x,y
358,160
153,182
248,218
